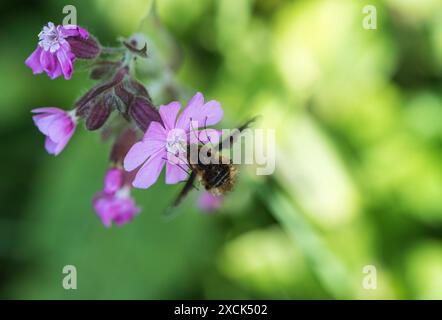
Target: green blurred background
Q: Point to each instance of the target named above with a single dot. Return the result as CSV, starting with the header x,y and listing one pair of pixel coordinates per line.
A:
x,y
358,176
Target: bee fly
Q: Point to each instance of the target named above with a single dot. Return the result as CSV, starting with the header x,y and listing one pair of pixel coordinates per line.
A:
x,y
217,178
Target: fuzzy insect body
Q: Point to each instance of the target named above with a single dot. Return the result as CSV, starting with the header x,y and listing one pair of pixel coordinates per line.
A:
x,y
217,178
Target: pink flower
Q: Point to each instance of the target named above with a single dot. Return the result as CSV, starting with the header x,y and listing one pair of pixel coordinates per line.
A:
x,y
209,202
57,125
164,144
54,53
117,208
113,180
114,204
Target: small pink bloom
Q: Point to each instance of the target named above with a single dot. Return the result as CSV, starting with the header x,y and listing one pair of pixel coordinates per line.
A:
x,y
114,204
113,180
54,53
57,125
209,202
118,208
164,143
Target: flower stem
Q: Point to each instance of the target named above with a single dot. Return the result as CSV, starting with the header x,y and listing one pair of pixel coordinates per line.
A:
x,y
113,50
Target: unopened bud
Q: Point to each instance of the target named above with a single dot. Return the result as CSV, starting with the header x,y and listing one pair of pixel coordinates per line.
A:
x,y
84,48
138,89
143,113
125,96
98,115
87,100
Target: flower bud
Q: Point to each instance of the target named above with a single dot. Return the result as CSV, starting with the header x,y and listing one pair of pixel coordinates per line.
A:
x,y
143,113
84,48
138,89
115,103
125,96
98,115
87,100
113,180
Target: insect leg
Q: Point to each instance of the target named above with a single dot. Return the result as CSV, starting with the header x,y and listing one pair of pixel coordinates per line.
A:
x,y
179,166
186,189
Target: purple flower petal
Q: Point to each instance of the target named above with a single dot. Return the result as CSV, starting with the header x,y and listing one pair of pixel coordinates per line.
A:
x,y
113,180
175,173
72,30
43,121
52,110
150,171
102,206
169,113
57,72
190,112
203,114
213,112
56,125
63,142
128,211
50,146
66,63
48,63
33,61
209,202
59,128
139,152
155,132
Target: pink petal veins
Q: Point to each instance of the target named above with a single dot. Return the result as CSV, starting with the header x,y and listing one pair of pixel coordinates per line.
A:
x,y
150,171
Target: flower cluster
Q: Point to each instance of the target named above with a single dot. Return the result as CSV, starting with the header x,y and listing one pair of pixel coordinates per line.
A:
x,y
57,49
165,142
114,203
165,131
